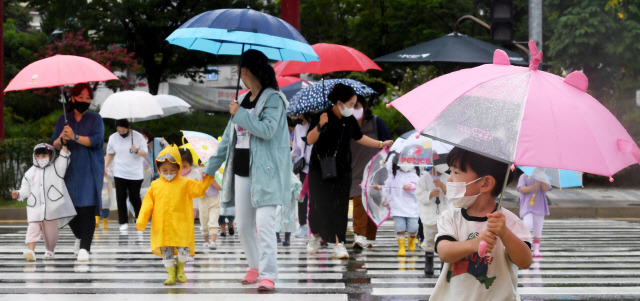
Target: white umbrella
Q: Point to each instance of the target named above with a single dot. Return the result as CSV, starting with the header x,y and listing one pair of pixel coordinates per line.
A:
x,y
170,105
130,105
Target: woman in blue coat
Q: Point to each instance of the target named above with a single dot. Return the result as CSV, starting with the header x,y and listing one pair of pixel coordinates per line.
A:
x,y
255,145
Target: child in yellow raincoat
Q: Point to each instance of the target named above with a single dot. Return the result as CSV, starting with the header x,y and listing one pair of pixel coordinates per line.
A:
x,y
169,199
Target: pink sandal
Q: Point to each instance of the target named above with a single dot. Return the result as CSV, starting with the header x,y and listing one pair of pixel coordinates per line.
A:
x,y
266,285
250,277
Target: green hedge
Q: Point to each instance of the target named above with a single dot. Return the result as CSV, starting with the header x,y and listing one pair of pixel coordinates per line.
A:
x,y
16,156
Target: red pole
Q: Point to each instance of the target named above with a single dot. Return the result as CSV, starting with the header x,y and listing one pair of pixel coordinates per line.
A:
x,y
291,12
2,71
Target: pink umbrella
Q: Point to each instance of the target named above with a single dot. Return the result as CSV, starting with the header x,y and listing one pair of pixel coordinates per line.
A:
x,y
333,58
59,70
523,116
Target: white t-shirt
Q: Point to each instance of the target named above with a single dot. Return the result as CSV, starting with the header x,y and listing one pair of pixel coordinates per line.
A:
x,y
125,164
402,201
427,207
492,278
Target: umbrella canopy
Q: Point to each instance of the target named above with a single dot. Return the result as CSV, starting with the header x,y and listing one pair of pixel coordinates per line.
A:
x,y
375,173
290,90
440,149
203,144
170,105
333,57
130,105
560,178
452,48
233,31
59,70
286,80
314,97
522,116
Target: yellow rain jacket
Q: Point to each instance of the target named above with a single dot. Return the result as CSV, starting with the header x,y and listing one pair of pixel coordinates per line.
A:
x,y
171,204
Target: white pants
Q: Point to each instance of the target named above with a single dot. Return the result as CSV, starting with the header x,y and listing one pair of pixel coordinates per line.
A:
x,y
209,214
534,222
429,232
261,251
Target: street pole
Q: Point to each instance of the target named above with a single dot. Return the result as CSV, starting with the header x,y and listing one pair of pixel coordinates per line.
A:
x,y
535,22
2,70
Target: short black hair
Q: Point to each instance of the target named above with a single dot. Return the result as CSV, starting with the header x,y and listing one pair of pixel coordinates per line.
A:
x,y
340,92
481,165
122,123
43,151
185,153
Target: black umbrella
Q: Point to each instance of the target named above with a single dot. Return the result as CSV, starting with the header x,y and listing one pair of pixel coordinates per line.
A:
x,y
454,48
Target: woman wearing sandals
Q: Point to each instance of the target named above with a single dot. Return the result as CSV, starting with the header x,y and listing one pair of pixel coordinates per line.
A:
x,y
255,145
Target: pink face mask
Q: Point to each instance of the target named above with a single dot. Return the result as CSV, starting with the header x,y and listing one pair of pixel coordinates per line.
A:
x,y
185,171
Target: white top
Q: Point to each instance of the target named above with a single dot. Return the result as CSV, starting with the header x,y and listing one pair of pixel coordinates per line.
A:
x,y
298,146
243,136
126,165
492,278
427,207
403,202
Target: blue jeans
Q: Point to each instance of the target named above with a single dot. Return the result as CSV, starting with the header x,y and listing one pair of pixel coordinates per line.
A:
x,y
406,224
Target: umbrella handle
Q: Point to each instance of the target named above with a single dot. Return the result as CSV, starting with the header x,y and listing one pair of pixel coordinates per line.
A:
x,y
482,248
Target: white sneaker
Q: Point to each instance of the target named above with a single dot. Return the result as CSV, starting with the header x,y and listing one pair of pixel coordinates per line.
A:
x,y
48,255
29,255
302,231
212,245
83,255
340,252
359,241
124,227
313,244
205,245
76,246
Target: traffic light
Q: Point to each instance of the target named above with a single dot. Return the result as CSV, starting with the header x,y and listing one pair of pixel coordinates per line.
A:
x,y
502,21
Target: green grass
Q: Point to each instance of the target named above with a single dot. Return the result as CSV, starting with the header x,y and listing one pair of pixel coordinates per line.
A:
x,y
12,204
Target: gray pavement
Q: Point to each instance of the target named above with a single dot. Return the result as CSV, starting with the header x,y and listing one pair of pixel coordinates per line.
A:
x,y
584,259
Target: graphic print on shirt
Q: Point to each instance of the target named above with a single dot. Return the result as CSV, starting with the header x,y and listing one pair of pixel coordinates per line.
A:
x,y
243,135
474,265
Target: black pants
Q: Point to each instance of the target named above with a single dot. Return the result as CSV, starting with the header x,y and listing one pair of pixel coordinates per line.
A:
x,y
126,187
302,206
329,205
83,225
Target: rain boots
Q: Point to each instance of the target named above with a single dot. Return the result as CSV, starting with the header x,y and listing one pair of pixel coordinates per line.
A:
x,y
105,223
428,264
401,251
412,243
536,249
97,221
180,276
171,276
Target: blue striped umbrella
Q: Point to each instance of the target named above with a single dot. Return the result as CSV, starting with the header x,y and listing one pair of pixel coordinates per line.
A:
x,y
233,31
312,98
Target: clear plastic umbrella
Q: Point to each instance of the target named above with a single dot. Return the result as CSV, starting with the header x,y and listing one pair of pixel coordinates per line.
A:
x,y
375,173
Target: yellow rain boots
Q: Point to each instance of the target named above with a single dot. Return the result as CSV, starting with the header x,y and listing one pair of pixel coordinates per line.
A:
x,y
412,243
401,251
105,223
97,221
171,276
180,276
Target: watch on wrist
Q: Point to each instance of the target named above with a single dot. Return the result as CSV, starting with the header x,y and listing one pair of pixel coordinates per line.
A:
x,y
77,137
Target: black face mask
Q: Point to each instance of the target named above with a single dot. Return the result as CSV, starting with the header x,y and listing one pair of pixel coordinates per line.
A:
x,y
81,107
125,134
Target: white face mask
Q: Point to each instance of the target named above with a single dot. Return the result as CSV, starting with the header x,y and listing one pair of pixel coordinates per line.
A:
x,y
358,113
243,85
456,194
168,177
344,111
43,162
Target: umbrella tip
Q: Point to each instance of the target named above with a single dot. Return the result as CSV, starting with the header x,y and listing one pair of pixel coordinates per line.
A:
x,y
500,57
578,80
388,105
611,179
513,167
536,57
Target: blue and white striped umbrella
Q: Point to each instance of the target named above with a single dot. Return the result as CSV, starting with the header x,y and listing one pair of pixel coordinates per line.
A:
x,y
312,98
233,31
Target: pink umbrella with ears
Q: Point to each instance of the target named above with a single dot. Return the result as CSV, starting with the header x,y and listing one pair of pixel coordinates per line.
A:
x,y
523,116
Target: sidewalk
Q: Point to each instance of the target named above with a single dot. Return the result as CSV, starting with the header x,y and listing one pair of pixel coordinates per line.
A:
x,y
618,203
